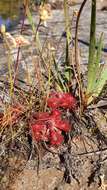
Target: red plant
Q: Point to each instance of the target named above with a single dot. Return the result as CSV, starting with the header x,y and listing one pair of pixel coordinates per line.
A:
x,y
49,127
61,100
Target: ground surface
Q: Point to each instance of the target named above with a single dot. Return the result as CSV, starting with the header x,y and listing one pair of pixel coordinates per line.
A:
x,y
84,165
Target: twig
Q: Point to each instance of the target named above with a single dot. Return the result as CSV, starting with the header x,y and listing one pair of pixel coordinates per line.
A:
x,y
90,153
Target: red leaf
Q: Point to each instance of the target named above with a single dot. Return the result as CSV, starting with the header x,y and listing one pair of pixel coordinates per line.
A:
x,y
68,101
40,132
63,100
49,126
55,137
53,102
64,126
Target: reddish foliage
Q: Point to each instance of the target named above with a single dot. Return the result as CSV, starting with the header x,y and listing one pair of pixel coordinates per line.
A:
x,y
48,127
40,132
61,100
56,137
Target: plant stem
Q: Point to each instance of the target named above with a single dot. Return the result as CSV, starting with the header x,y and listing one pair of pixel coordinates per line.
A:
x,y
77,61
91,63
18,52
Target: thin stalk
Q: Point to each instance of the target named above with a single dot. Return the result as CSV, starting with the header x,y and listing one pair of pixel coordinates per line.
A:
x,y
67,26
18,52
77,60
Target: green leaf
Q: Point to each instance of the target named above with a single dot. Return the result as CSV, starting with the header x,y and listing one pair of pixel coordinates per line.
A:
x,y
68,73
91,60
101,80
100,83
97,76
96,64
